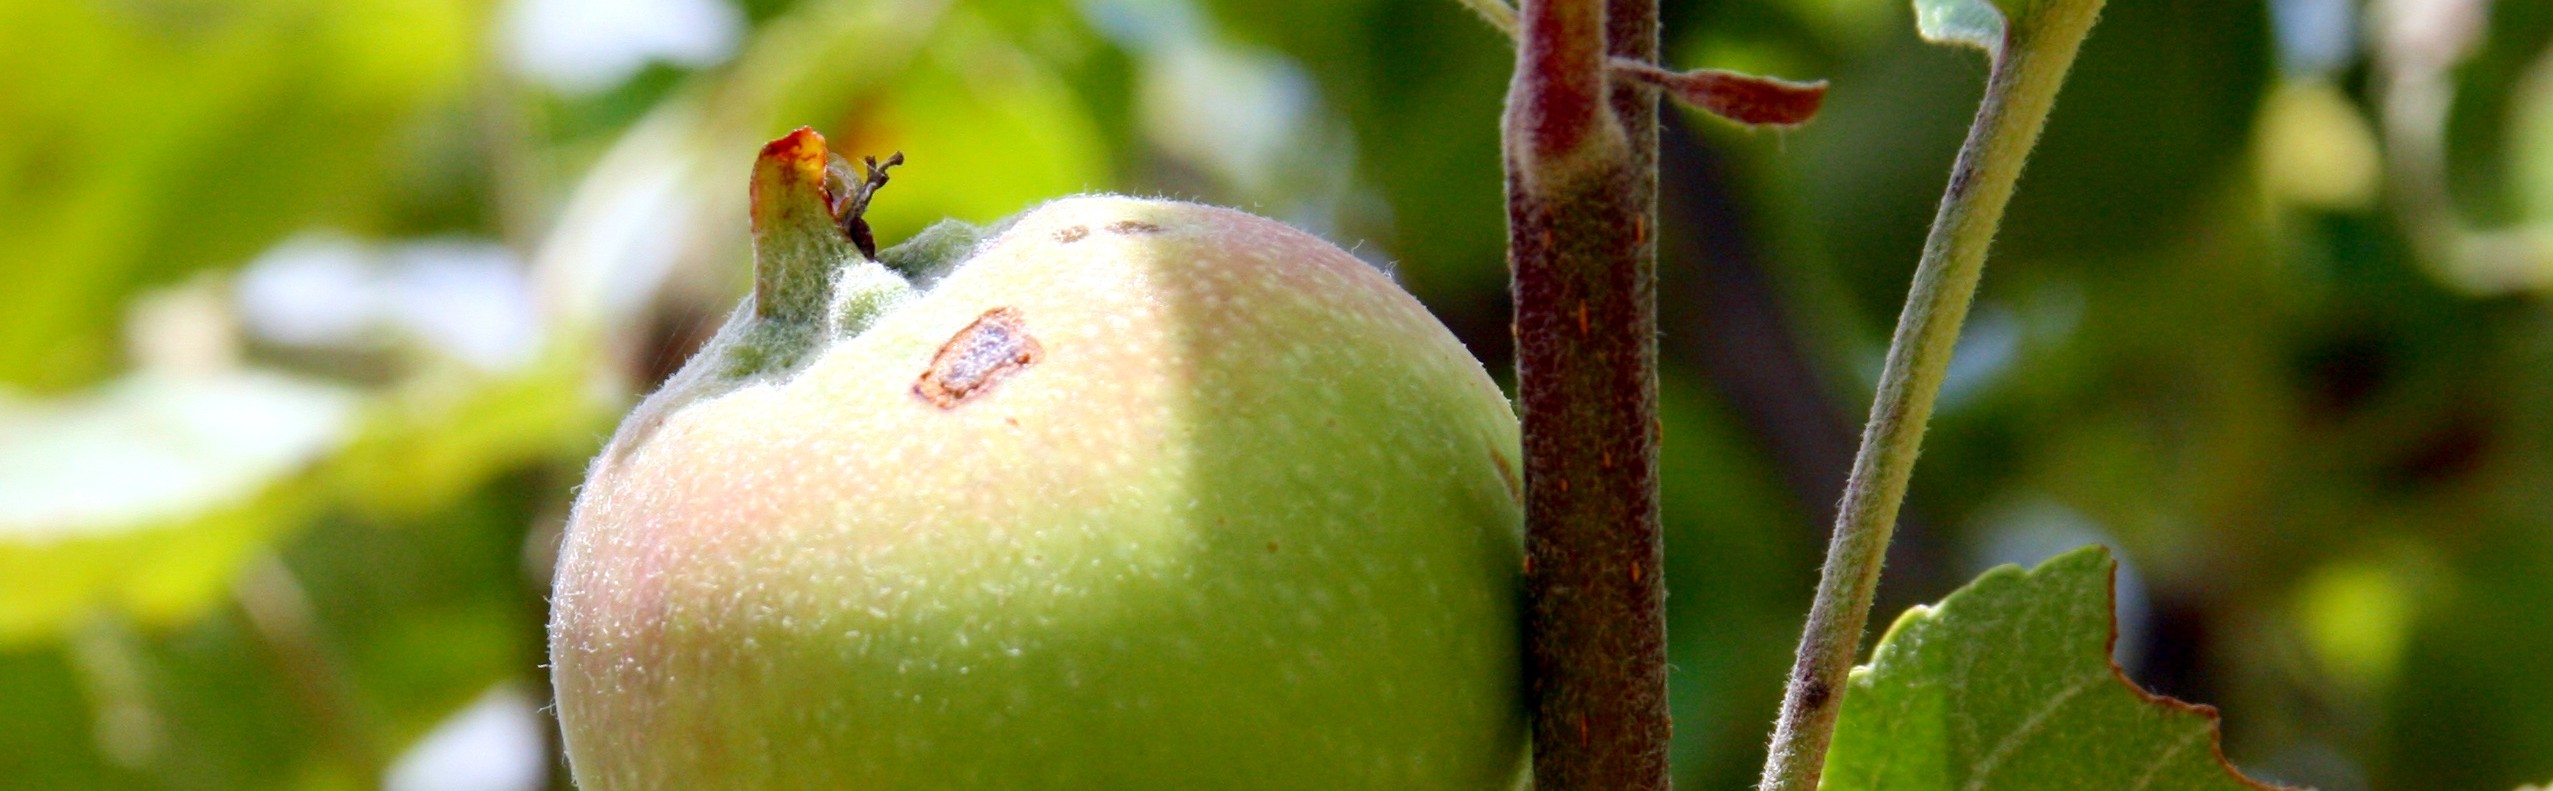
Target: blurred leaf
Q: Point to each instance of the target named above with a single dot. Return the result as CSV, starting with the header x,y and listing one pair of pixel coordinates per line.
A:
x,y
419,614
145,495
437,438
227,126
2470,711
2530,160
2487,126
2316,150
986,130
2007,684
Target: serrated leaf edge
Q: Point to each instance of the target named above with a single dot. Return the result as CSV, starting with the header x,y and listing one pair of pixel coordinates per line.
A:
x,y
2109,647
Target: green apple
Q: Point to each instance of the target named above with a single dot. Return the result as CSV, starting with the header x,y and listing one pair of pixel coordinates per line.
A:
x,y
1137,494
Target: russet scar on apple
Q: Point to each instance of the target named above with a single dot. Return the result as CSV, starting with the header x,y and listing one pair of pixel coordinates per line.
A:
x,y
978,357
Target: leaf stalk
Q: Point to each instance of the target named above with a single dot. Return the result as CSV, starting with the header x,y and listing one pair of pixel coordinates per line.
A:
x,y
2022,86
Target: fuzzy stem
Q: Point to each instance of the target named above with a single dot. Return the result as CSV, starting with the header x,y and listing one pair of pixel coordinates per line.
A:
x,y
798,243
2021,88
1581,198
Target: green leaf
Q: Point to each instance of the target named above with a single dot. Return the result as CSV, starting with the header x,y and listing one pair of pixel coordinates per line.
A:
x,y
139,145
435,441
2007,684
1990,24
1975,23
146,494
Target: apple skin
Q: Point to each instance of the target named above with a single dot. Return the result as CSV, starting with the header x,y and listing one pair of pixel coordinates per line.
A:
x,y
1247,520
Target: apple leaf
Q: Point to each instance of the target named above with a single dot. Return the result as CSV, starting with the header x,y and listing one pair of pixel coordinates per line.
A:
x,y
147,494
2007,684
1975,23
1992,24
262,117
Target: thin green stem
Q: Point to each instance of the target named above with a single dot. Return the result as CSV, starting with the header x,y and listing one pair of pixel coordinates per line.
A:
x,y
2027,72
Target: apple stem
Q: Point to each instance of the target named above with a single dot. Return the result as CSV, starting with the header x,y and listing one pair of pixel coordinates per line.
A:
x,y
815,273
798,244
2028,67
850,204
1581,156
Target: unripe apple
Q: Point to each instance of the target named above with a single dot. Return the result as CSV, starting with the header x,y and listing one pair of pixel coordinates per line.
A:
x,y
1138,494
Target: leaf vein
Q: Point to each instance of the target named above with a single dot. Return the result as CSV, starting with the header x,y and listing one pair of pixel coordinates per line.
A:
x,y
2013,739
2165,759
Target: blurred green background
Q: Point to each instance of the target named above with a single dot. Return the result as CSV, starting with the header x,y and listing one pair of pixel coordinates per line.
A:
x,y
311,313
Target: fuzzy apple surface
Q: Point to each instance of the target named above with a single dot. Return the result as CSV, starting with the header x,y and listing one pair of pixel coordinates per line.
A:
x,y
1140,494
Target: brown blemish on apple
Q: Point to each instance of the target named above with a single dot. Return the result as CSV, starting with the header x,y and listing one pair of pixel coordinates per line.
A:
x,y
978,357
1132,227
1072,234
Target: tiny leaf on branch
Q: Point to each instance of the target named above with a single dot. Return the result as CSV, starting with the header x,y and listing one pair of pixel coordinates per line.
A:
x,y
1580,136
2007,684
1744,98
1736,96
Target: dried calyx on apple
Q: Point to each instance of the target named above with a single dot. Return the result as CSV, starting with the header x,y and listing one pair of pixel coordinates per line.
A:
x,y
1137,494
